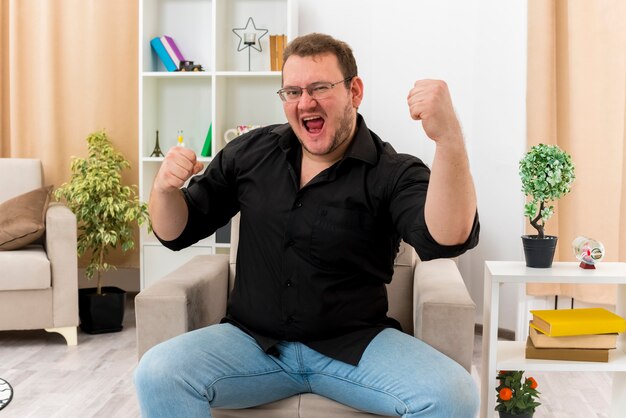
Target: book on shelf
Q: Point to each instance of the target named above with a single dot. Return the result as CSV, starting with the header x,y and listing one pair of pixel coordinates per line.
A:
x,y
160,50
172,50
541,340
277,45
281,43
273,52
579,321
569,354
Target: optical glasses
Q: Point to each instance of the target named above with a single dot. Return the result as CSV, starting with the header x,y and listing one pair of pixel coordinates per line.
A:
x,y
317,90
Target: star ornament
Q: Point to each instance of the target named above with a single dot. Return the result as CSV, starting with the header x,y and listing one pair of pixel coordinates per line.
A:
x,y
242,32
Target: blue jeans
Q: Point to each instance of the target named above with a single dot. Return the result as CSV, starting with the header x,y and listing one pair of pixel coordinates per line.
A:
x,y
222,367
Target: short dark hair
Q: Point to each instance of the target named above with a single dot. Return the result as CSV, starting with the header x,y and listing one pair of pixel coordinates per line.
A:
x,y
318,44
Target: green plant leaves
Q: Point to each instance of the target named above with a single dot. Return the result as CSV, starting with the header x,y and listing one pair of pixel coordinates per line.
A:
x,y
523,400
104,208
547,173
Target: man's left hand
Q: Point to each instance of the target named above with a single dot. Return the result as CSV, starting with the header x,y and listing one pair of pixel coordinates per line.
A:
x,y
430,102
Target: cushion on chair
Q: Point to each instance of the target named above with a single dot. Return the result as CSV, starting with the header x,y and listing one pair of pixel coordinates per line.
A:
x,y
26,269
22,218
284,408
306,405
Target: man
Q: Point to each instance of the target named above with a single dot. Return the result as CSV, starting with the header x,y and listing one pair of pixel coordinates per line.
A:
x,y
324,203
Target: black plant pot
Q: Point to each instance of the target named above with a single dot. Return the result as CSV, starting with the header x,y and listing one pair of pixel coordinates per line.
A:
x,y
507,415
101,313
539,252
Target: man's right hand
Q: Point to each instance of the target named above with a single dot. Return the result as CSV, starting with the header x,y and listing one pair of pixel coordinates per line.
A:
x,y
168,209
179,165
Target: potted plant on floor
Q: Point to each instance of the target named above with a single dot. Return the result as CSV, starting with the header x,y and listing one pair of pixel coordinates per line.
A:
x,y
547,173
516,397
106,211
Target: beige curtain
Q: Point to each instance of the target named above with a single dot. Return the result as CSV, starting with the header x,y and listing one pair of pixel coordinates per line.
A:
x,y
577,100
69,67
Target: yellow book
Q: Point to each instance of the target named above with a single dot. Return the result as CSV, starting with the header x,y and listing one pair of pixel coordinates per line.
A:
x,y
581,321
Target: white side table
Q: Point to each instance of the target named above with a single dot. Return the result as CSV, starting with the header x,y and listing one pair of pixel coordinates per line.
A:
x,y
509,355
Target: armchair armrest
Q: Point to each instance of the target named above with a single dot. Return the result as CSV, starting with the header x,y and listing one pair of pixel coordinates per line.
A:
x,y
192,296
443,310
60,243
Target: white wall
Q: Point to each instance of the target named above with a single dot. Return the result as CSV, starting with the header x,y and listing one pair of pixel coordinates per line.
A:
x,y
479,48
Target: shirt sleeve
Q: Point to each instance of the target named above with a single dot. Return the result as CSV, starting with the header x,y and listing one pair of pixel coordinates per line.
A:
x,y
407,202
211,199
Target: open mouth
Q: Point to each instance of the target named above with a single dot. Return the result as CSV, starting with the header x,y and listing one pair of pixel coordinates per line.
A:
x,y
313,124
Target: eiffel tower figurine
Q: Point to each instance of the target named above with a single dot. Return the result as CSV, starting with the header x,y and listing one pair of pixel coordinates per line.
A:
x,y
157,149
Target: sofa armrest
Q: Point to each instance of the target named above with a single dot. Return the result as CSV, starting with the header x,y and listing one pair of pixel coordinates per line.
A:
x,y
190,297
60,244
443,310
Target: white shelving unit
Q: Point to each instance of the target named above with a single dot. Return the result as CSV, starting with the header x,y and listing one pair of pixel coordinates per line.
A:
x,y
223,96
509,355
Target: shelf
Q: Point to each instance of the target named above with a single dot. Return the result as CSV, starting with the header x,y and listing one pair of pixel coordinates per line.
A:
x,y
221,97
177,74
510,356
248,74
208,74
170,104
158,160
560,272
150,240
277,16
189,23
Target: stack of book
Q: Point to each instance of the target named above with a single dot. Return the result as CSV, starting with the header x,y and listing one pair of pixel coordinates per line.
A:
x,y
168,52
583,334
277,45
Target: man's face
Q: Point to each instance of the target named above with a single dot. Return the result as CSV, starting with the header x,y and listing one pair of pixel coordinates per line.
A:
x,y
323,126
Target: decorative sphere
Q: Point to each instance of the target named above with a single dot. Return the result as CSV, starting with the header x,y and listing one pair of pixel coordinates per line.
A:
x,y
588,250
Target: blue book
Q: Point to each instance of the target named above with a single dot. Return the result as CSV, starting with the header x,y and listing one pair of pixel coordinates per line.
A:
x,y
162,53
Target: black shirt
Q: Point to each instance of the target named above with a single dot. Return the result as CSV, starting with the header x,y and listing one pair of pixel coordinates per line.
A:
x,y
312,262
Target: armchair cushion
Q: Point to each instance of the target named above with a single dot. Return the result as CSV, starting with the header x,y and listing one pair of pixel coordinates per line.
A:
x,y
28,269
443,310
22,218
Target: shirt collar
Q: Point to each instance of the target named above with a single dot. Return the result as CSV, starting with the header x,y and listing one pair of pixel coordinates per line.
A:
x,y
363,145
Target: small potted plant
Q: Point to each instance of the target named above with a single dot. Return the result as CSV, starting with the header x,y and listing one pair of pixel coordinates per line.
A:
x,y
106,211
516,395
547,174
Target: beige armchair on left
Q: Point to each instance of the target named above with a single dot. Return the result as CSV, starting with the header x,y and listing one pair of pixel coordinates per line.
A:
x,y
38,262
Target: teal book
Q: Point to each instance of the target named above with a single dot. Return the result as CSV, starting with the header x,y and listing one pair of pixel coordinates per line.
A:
x,y
163,55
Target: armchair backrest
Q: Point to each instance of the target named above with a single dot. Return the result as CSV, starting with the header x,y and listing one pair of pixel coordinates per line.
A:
x,y
399,291
19,175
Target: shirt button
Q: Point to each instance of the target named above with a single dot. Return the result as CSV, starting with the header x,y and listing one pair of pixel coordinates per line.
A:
x,y
290,243
289,319
298,204
288,284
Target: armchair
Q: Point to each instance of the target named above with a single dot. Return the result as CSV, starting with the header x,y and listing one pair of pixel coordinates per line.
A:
x,y
429,299
39,282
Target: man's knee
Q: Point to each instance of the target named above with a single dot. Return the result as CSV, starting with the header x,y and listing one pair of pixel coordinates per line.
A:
x,y
156,367
454,396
